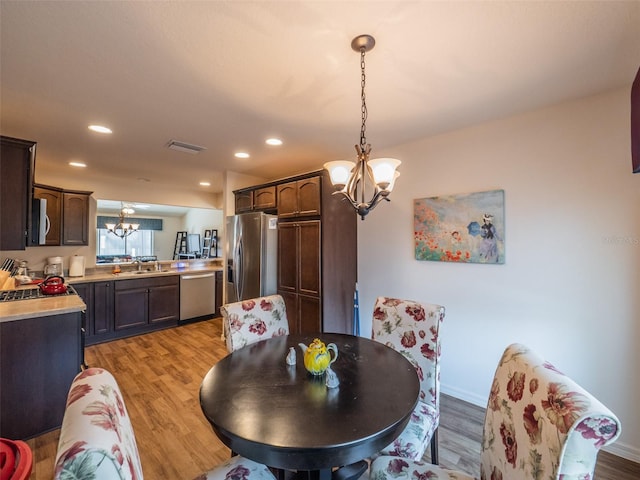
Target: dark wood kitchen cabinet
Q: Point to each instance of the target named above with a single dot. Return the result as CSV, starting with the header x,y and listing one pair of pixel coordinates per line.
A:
x,y
317,254
17,166
75,218
244,201
122,308
98,318
299,273
259,199
39,357
147,302
300,198
68,213
264,198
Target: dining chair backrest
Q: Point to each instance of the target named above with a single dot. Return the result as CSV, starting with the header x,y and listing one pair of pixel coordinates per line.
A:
x,y
539,424
540,420
97,440
413,329
96,435
252,320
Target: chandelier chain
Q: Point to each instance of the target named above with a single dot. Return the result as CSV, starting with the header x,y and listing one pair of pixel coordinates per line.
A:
x,y
355,179
363,81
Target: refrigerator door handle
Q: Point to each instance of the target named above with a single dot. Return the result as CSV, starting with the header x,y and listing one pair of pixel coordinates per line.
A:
x,y
238,268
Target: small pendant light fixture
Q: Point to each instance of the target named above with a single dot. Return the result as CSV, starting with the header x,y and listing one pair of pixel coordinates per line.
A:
x,y
123,228
350,178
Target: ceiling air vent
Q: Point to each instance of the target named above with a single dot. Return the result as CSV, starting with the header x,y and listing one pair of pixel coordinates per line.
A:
x,y
185,147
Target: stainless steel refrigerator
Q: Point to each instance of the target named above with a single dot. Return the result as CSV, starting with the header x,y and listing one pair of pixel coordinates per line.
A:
x,y
252,251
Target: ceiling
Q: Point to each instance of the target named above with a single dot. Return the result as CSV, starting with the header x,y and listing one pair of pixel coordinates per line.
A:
x,y
113,207
227,75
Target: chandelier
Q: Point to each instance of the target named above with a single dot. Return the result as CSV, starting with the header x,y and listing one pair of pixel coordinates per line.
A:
x,y
123,228
351,179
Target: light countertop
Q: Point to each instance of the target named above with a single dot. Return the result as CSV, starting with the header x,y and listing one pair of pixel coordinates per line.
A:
x,y
21,309
105,275
40,307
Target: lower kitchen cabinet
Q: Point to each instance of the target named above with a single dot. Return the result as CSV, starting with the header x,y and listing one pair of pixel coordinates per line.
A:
x,y
122,308
147,302
102,322
39,357
97,319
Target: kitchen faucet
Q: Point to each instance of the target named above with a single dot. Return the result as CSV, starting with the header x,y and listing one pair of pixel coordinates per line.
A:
x,y
138,263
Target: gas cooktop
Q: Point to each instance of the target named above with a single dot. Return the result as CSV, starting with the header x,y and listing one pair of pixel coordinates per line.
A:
x,y
31,294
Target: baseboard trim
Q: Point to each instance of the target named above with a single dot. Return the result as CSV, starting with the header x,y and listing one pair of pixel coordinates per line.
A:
x,y
619,449
464,395
624,451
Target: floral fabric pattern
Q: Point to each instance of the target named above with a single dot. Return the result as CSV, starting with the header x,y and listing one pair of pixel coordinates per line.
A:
x,y
413,329
238,468
96,438
252,320
539,425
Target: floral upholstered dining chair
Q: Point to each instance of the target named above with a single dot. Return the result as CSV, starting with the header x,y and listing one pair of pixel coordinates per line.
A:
x,y
252,320
97,439
413,329
539,425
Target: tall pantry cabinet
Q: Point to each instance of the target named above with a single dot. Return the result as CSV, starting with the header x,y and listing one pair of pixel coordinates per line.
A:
x,y
317,253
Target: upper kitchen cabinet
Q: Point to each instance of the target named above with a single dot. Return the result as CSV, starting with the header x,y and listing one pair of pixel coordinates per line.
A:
x,y
300,198
67,213
244,201
75,218
261,199
17,165
264,198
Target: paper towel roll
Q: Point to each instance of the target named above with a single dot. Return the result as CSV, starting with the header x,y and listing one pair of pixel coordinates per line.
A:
x,y
76,266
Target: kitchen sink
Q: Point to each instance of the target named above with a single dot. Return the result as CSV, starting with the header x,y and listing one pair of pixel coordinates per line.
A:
x,y
143,272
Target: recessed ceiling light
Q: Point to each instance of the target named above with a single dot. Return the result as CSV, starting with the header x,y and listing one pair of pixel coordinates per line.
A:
x,y
273,141
241,155
99,129
78,164
205,184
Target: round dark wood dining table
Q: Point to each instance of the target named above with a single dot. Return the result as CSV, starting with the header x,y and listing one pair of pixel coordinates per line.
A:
x,y
284,417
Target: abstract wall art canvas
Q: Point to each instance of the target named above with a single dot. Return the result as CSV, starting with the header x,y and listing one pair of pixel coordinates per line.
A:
x,y
467,228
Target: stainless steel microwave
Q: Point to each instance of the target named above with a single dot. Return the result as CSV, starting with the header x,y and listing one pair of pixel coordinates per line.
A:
x,y
39,221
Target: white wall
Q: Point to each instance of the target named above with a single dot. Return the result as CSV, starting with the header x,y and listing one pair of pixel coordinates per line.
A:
x,y
200,219
569,287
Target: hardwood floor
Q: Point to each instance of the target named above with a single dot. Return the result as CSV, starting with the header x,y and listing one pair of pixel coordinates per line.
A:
x,y
160,373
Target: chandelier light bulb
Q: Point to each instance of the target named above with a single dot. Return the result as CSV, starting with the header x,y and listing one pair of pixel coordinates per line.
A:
x,y
383,170
339,171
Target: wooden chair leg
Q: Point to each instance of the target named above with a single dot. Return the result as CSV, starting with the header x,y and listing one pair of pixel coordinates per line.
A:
x,y
434,448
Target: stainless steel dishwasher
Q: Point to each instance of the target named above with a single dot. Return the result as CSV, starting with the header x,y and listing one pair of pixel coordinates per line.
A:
x,y
197,295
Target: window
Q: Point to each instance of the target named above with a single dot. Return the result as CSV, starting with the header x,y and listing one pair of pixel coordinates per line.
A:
x,y
138,244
